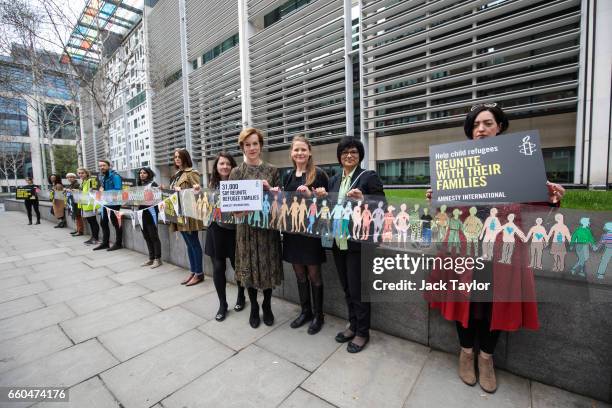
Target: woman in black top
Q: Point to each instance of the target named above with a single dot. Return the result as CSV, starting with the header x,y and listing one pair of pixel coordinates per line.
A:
x,y
146,178
32,201
221,241
306,253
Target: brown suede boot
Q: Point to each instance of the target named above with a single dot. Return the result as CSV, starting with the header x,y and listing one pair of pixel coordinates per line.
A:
x,y
467,372
486,374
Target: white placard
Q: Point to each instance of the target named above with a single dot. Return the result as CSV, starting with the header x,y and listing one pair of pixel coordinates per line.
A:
x,y
241,195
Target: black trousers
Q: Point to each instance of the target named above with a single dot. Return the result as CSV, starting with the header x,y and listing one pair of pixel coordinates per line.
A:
x,y
95,228
106,229
29,204
348,265
219,266
149,232
478,329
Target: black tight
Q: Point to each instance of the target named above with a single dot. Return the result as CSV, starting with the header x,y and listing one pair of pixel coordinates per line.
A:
x,y
253,296
220,280
478,329
314,273
93,225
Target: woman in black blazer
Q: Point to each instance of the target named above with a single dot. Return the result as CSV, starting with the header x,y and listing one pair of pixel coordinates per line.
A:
x,y
353,184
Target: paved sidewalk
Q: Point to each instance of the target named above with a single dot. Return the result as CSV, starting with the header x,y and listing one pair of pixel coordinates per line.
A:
x,y
120,335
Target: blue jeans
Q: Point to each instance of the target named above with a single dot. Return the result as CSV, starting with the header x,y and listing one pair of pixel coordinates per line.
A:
x,y
194,251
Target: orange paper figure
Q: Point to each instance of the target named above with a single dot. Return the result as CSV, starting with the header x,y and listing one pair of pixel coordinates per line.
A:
x,y
539,239
274,212
366,220
401,224
295,211
557,236
389,219
302,216
440,224
282,216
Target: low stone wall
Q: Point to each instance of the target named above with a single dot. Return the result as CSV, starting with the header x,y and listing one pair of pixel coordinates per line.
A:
x,y
572,349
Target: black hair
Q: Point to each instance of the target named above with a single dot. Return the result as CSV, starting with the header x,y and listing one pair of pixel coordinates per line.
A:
x,y
215,177
496,111
105,161
58,179
150,173
347,142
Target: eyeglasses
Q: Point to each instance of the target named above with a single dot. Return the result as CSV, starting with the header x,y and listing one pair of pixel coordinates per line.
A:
x,y
483,105
351,152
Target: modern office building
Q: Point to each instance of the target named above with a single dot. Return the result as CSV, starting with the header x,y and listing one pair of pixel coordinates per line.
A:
x,y
35,114
399,74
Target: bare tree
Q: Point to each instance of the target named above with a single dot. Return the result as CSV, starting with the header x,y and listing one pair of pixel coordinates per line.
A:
x,y
13,157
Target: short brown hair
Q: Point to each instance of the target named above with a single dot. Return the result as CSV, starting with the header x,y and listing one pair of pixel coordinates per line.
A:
x,y
185,158
84,170
246,132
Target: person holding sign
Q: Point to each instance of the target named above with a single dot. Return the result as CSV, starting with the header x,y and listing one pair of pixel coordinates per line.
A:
x,y
221,240
483,320
73,188
305,253
57,198
87,205
353,184
110,180
184,178
32,200
146,179
258,251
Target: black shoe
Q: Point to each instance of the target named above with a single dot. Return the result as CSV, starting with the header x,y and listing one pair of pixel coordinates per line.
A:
x,y
30,223
301,320
240,302
58,226
78,234
221,313
38,222
354,348
254,320
318,320
341,338
74,232
101,246
268,316
115,247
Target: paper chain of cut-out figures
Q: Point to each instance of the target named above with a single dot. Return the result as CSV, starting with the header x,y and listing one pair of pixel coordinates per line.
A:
x,y
417,226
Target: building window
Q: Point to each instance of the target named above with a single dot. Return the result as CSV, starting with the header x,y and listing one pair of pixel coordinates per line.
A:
x,y
404,171
173,78
287,8
13,117
559,164
219,49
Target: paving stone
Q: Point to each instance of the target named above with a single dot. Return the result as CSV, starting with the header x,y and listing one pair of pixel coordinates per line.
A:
x,y
44,259
32,346
62,369
88,394
300,398
17,292
110,258
545,396
78,289
72,277
157,373
163,280
10,259
440,373
7,264
44,252
15,271
175,295
258,379
125,265
89,303
104,320
61,265
19,306
13,281
206,306
385,371
150,332
141,273
297,346
33,321
226,331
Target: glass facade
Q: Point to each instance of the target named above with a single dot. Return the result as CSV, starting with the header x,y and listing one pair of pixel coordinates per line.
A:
x,y
559,163
62,123
15,158
404,171
287,8
13,117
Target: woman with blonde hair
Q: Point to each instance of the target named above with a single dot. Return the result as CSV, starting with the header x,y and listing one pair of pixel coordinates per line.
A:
x,y
305,253
258,251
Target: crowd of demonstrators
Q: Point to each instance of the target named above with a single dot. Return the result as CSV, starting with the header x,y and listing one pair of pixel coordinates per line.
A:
x,y
146,178
256,253
109,180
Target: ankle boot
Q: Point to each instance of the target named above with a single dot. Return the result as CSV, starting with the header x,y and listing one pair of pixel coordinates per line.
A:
x,y
486,374
240,300
266,307
254,319
318,320
306,314
467,372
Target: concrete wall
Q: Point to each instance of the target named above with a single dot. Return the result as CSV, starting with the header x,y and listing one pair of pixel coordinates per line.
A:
x,y
572,349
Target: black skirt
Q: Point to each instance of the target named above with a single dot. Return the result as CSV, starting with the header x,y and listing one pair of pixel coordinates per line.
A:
x,y
302,250
220,242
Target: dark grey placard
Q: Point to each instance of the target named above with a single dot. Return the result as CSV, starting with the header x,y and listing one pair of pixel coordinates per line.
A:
x,y
522,178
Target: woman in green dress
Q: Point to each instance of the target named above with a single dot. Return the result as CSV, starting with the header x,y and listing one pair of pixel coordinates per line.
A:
x,y
258,251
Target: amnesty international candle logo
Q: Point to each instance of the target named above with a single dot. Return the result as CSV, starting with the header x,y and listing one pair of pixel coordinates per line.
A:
x,y
503,169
